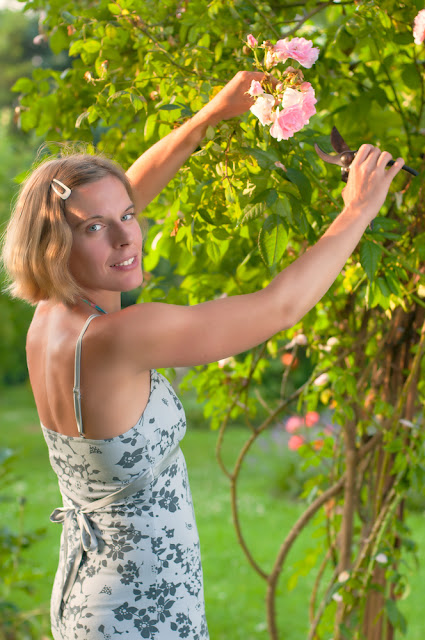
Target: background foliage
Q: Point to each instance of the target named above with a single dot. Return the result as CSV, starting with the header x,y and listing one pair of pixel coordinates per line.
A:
x,y
230,219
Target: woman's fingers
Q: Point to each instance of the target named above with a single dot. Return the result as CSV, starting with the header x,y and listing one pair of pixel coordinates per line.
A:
x,y
397,166
384,159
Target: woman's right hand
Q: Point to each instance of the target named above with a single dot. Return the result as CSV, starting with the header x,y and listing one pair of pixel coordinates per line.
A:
x,y
369,180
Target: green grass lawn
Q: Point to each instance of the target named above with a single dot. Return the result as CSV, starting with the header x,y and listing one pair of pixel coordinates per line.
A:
x,y
234,592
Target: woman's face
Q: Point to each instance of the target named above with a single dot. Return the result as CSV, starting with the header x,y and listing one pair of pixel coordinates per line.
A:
x,y
106,253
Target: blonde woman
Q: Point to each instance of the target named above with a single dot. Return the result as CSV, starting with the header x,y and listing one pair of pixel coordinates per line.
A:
x,y
129,560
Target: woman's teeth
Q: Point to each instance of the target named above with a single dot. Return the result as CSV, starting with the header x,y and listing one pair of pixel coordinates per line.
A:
x,y
124,264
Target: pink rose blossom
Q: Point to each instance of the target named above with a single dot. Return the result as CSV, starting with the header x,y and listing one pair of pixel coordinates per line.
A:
x,y
251,41
311,418
295,442
255,89
263,109
287,122
298,49
293,424
419,27
304,98
297,108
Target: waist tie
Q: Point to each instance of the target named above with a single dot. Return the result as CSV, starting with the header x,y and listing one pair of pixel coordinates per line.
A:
x,y
88,539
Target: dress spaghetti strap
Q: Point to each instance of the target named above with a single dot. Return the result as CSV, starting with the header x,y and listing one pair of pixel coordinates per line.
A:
x,y
77,375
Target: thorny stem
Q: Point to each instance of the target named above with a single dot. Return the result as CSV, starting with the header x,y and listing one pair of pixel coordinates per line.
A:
x,y
265,18
235,475
232,406
313,598
286,546
322,606
307,16
286,373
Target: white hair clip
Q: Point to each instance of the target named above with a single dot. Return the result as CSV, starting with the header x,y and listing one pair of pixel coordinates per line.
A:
x,y
66,190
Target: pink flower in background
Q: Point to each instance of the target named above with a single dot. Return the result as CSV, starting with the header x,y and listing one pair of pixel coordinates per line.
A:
x,y
298,49
255,89
251,41
279,165
263,109
311,418
293,424
419,27
318,444
295,442
321,380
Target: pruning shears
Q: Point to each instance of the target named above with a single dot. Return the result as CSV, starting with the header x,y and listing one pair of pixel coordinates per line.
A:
x,y
345,156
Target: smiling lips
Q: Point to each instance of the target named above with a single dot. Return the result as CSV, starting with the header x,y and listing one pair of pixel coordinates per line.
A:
x,y
126,264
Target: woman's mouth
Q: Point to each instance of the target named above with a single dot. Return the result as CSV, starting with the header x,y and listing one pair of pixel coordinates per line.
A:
x,y
125,264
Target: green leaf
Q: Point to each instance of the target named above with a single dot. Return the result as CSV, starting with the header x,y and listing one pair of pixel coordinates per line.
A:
x,y
395,616
370,255
59,40
253,211
216,250
272,240
91,46
137,102
218,50
114,9
68,17
259,205
265,159
150,125
299,179
169,107
23,85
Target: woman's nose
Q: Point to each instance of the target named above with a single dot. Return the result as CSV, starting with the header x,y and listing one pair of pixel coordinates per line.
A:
x,y
122,235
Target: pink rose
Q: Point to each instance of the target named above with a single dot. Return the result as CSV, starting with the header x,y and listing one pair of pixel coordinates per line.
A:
x,y
263,109
419,27
287,122
298,49
311,418
293,424
255,89
308,101
295,442
251,41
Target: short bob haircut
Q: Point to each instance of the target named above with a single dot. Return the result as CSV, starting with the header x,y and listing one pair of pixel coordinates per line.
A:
x,y
38,238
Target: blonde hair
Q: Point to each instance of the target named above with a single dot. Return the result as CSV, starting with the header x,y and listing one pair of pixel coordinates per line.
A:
x,y
38,238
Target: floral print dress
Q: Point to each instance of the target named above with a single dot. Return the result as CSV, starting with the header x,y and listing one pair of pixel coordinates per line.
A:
x,y
142,578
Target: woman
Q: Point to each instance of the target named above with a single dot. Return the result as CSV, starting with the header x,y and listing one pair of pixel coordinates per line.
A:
x,y
129,561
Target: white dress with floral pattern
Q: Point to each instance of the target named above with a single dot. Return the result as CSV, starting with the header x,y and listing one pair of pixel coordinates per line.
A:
x,y
145,579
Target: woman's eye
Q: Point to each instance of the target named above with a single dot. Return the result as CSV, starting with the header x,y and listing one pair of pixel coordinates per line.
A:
x,y
94,227
128,216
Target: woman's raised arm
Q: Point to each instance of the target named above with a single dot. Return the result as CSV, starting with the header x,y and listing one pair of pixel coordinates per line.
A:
x,y
161,335
158,165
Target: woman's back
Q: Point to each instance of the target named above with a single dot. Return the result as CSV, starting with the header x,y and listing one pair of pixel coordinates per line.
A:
x,y
113,395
